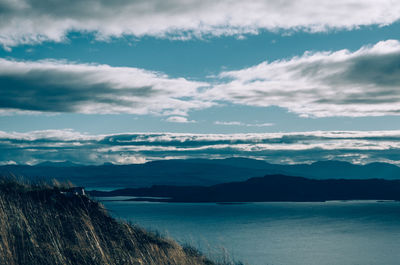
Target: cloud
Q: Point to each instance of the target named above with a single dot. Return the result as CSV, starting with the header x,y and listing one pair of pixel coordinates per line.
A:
x,y
357,83
229,123
238,123
343,83
60,86
35,21
179,119
297,147
267,124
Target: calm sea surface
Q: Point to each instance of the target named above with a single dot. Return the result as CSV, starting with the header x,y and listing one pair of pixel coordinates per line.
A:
x,y
345,233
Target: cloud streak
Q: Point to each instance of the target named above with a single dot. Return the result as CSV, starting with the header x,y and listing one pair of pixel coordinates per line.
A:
x,y
239,123
179,119
357,83
35,21
298,147
60,86
321,84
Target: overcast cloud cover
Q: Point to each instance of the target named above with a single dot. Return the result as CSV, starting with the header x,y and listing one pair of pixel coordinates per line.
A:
x,y
35,21
297,147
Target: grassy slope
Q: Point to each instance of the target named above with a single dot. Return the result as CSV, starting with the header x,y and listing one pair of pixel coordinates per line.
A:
x,y
38,225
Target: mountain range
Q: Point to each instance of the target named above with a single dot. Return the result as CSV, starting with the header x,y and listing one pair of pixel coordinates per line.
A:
x,y
203,172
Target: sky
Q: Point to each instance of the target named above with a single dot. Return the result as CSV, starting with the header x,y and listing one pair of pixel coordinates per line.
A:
x,y
96,81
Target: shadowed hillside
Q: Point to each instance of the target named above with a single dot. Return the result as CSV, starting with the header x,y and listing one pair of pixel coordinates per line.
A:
x,y
41,225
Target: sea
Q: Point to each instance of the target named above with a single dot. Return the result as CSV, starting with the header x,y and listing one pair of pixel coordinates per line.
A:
x,y
276,233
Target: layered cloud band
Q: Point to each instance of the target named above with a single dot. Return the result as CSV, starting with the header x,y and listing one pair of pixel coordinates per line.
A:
x,y
35,21
357,83
297,147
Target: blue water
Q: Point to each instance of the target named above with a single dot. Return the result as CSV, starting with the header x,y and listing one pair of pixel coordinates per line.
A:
x,y
345,233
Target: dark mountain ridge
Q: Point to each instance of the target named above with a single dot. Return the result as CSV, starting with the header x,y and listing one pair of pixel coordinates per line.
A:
x,y
270,188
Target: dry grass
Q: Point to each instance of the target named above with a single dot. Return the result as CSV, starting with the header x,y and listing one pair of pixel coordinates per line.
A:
x,y
39,225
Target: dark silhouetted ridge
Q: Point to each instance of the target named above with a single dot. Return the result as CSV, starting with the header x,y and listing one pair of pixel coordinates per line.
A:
x,y
271,188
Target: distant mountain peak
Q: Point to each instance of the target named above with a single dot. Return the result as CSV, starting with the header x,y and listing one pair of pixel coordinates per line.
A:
x,y
332,163
65,163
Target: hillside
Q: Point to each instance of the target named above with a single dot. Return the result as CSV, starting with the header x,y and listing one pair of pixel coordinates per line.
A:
x,y
270,188
40,225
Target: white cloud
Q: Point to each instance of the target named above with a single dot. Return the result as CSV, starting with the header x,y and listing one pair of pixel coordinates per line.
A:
x,y
238,123
60,86
9,162
179,119
35,21
364,82
298,147
267,124
342,83
229,123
